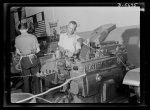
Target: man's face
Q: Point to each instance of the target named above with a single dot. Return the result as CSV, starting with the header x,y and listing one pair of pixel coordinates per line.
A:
x,y
71,28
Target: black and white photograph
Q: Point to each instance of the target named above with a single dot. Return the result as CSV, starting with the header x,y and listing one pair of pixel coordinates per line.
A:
x,y
74,54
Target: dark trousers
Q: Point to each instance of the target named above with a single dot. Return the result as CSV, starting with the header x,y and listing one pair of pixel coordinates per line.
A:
x,y
31,83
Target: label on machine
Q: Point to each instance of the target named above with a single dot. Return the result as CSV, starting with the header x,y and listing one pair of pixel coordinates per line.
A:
x,y
101,64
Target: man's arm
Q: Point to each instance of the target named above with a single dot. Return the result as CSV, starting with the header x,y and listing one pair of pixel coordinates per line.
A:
x,y
37,45
78,48
78,44
17,50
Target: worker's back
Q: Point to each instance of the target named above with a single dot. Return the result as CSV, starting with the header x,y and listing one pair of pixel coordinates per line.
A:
x,y
26,43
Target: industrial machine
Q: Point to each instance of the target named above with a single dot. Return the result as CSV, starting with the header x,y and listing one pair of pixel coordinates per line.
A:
x,y
104,68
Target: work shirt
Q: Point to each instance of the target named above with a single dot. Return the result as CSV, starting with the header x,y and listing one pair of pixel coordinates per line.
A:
x,y
26,43
69,43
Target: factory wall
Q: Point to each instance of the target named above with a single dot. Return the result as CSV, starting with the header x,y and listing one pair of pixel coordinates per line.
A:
x,y
88,18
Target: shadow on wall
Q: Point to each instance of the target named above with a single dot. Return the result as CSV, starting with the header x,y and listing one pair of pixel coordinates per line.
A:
x,y
131,38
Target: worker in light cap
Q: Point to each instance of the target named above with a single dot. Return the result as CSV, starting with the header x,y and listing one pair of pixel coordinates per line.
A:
x,y
69,41
27,47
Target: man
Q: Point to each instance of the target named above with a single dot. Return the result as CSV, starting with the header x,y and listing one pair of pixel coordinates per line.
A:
x,y
27,46
69,41
70,44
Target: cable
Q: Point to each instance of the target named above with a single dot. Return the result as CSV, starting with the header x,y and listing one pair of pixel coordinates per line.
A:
x,y
44,100
21,76
51,89
45,74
